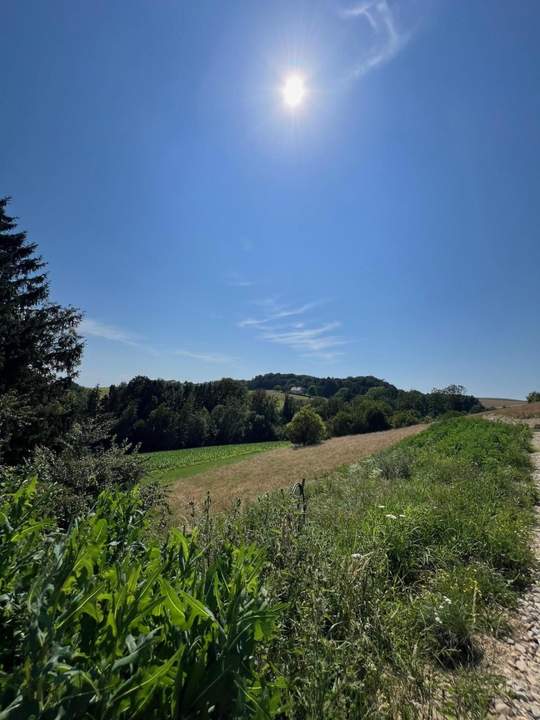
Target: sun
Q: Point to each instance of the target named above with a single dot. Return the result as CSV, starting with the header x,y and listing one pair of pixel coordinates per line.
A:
x,y
293,90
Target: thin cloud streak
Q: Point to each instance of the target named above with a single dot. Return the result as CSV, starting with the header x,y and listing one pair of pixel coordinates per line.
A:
x,y
206,357
278,312
240,283
309,340
387,39
95,328
236,280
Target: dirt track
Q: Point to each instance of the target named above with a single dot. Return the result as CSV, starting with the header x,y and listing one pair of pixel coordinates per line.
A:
x,y
517,659
279,468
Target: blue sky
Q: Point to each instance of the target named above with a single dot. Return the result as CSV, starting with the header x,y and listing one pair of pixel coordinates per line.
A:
x,y
388,226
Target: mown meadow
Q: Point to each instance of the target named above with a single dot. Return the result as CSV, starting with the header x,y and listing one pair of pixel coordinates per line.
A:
x,y
370,597
168,465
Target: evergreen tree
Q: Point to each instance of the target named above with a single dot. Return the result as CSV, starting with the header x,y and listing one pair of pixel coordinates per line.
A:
x,y
39,347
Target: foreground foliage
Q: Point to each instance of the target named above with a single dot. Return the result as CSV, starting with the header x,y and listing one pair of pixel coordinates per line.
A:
x,y
97,623
369,597
395,570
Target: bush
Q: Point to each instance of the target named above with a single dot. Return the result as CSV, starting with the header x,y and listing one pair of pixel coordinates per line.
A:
x,y
342,423
369,415
94,624
404,418
376,419
88,462
306,427
533,397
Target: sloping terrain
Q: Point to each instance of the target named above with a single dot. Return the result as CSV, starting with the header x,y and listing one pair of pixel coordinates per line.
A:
x,y
280,468
491,403
528,413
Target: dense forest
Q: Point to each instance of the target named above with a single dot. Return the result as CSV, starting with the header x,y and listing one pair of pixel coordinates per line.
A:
x,y
314,386
168,414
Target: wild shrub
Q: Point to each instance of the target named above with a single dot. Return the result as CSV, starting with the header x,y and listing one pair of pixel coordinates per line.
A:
x,y
306,427
395,464
88,462
404,418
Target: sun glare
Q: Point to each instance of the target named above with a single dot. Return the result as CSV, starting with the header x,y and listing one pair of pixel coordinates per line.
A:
x,y
294,90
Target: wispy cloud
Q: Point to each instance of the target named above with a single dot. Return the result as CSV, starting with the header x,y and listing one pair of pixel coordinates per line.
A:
x,y
95,328
309,338
386,38
237,281
206,357
253,322
240,283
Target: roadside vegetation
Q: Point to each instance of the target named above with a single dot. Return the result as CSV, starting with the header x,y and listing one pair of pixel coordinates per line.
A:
x,y
392,572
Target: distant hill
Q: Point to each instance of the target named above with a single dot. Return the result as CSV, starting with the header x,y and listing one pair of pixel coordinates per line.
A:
x,y
311,385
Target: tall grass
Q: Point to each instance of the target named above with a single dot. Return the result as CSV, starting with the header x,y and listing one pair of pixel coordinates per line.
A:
x,y
399,568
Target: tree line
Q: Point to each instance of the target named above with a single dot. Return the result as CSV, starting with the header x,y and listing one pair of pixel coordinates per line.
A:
x,y
168,414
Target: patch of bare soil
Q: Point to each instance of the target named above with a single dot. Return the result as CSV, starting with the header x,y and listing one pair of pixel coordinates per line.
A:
x,y
517,660
279,468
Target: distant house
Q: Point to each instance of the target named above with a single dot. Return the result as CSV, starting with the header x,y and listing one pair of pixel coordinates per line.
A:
x,y
297,390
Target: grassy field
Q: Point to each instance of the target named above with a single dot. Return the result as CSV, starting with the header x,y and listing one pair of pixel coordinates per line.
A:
x,y
490,403
525,411
280,468
170,465
279,397
395,573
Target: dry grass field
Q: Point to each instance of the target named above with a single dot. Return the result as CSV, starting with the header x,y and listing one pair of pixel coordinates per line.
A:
x,y
525,411
491,403
279,468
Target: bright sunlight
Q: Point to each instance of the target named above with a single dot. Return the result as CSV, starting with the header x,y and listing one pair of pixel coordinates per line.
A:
x,y
294,90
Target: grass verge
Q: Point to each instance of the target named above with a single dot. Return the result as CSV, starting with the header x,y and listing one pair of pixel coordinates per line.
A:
x,y
395,572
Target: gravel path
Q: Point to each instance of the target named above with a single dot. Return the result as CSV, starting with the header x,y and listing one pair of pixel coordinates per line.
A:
x,y
519,659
